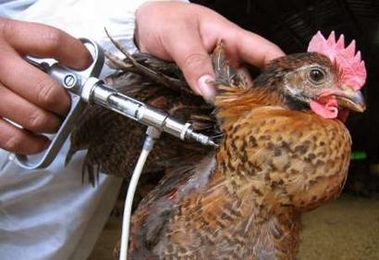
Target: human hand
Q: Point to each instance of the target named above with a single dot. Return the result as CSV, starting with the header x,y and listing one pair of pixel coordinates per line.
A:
x,y
187,33
29,97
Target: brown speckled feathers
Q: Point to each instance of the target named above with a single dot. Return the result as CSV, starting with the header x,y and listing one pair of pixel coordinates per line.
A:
x,y
276,159
272,165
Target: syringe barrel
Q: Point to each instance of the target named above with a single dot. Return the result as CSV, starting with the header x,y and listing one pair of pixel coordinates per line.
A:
x,y
143,113
111,99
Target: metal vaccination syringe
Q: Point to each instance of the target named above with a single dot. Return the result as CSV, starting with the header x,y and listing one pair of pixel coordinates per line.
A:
x,y
85,88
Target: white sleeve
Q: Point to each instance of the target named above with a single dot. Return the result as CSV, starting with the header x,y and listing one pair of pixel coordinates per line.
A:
x,y
88,18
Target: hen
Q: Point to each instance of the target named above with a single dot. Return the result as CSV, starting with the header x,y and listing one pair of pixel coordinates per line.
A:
x,y
284,151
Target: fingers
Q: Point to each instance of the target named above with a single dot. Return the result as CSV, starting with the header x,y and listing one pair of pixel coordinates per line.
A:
x,y
32,84
31,117
45,41
31,101
26,114
193,59
20,141
21,38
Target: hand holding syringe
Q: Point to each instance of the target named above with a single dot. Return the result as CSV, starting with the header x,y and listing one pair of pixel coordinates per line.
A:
x,y
85,88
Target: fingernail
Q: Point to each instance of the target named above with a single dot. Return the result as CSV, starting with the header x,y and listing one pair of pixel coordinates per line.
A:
x,y
206,89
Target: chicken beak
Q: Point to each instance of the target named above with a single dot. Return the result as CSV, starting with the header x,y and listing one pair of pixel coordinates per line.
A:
x,y
348,98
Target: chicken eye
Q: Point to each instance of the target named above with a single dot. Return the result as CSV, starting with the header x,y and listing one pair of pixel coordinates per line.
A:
x,y
316,75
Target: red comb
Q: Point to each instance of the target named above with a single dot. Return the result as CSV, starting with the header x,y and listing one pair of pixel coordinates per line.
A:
x,y
352,67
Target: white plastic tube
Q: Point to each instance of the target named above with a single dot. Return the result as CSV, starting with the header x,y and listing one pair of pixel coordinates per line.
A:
x,y
152,135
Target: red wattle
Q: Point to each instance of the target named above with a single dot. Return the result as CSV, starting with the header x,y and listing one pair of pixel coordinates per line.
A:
x,y
326,110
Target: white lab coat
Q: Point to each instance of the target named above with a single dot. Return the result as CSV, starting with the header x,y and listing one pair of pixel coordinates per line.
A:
x,y
49,213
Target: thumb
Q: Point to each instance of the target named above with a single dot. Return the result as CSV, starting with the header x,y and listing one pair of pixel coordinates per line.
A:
x,y
189,53
198,71
179,41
